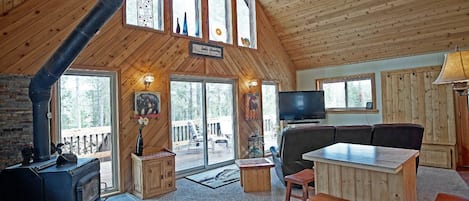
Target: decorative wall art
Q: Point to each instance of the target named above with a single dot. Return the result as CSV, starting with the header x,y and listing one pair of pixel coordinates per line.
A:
x,y
144,13
147,104
205,50
252,106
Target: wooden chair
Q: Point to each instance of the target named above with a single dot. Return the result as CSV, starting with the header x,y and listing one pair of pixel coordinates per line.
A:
x,y
448,197
302,178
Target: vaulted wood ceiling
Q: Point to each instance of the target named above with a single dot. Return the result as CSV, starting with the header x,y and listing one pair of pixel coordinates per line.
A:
x,y
317,33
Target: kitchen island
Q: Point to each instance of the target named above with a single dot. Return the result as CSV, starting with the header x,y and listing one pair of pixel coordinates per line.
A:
x,y
365,172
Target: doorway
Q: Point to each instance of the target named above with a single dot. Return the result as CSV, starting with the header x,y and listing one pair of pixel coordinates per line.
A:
x,y
87,120
202,119
270,115
462,130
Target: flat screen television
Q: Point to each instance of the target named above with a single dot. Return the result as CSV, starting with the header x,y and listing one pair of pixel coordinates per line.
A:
x,y
301,105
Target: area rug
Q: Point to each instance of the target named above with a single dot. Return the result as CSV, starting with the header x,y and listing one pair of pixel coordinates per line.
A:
x,y
217,177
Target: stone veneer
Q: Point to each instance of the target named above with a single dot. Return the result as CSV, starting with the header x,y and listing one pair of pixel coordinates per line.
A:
x,y
16,119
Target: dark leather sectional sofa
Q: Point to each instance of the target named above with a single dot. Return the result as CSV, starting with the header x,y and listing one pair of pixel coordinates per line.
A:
x,y
301,139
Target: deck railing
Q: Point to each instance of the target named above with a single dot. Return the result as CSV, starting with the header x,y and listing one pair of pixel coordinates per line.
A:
x,y
84,142
181,131
93,141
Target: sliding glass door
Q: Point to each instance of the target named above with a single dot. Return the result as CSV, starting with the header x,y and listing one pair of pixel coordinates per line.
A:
x,y
202,119
87,120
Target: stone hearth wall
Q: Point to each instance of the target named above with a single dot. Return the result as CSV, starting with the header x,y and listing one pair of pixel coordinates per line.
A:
x,y
16,119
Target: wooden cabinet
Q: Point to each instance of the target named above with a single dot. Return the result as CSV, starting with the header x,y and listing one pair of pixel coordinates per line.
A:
x,y
436,155
409,95
153,174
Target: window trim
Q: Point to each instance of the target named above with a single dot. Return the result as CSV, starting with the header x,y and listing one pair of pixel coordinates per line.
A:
x,y
252,25
163,11
371,76
228,23
202,24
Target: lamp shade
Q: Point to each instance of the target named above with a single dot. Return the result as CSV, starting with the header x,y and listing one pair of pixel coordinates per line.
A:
x,y
455,69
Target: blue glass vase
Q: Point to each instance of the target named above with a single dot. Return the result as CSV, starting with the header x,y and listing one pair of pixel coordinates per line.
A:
x,y
184,25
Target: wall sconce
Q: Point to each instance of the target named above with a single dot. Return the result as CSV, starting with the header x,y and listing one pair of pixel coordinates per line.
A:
x,y
148,79
252,83
455,71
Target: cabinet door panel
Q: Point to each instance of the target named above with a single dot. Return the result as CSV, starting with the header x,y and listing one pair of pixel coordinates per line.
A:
x,y
153,172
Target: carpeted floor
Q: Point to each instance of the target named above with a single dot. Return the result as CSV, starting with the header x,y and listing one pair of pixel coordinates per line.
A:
x,y
464,175
430,181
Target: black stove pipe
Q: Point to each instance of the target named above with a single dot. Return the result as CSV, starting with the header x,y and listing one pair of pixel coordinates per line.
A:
x,y
58,63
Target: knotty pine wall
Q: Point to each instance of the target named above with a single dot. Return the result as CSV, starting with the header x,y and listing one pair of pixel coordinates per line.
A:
x,y
32,31
7,5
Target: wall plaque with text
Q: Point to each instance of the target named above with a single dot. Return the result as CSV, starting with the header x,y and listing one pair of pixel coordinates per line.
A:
x,y
206,50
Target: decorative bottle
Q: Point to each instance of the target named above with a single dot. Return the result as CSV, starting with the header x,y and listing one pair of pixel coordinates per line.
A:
x,y
197,28
184,25
139,146
178,27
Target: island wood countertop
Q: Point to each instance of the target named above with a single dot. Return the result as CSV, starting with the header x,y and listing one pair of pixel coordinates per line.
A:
x,y
376,158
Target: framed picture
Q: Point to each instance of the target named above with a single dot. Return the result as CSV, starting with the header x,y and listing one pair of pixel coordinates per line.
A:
x,y
252,106
147,104
369,105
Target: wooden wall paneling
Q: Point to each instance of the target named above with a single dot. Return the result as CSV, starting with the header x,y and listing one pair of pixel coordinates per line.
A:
x,y
176,55
386,99
19,12
451,114
219,67
120,42
100,40
410,96
140,56
395,99
417,97
37,45
407,100
36,22
7,5
428,136
190,67
121,56
434,108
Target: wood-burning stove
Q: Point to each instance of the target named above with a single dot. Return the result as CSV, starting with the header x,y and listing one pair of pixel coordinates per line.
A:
x,y
46,181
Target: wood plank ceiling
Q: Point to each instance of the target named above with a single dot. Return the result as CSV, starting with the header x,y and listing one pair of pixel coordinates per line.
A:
x,y
318,33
